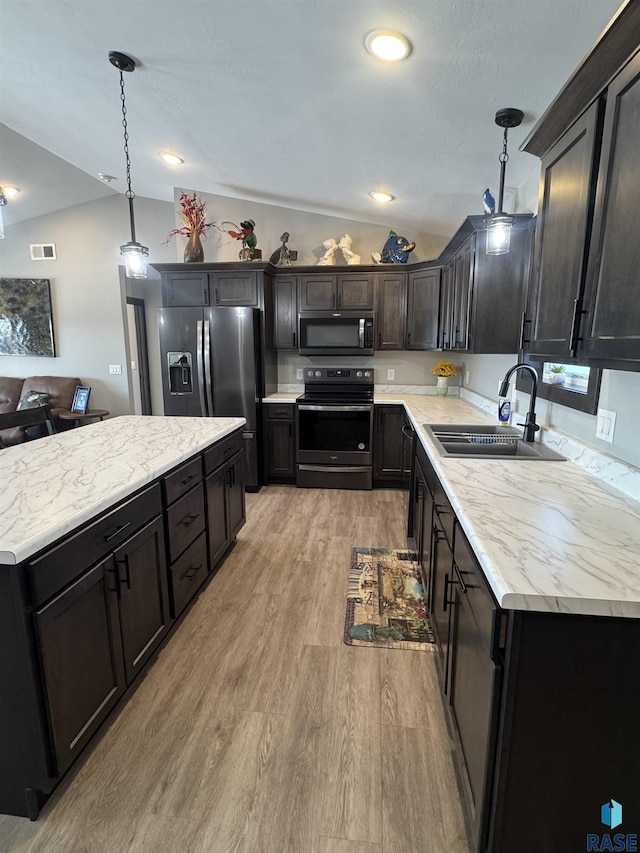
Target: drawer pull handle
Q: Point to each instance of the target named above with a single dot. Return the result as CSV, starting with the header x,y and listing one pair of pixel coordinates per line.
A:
x,y
189,519
463,585
228,451
118,530
190,573
187,479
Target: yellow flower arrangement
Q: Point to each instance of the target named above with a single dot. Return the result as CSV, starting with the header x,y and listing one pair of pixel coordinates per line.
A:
x,y
444,368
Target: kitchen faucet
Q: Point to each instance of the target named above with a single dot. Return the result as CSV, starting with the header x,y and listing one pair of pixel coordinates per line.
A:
x,y
530,425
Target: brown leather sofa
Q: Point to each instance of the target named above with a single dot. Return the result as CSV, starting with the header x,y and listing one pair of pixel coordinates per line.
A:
x,y
60,390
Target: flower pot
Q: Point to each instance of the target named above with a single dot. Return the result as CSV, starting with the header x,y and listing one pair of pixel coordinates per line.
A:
x,y
193,253
556,378
442,386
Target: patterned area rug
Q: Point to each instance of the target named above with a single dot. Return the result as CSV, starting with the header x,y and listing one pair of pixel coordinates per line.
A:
x,y
385,602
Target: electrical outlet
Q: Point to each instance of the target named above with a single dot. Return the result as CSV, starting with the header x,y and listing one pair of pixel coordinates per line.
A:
x,y
605,425
391,374
115,369
467,377
299,373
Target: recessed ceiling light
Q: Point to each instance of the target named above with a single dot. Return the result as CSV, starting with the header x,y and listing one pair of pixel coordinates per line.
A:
x,y
10,191
106,178
387,45
380,196
173,159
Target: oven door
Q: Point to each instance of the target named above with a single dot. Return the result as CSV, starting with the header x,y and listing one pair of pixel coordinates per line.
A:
x,y
334,434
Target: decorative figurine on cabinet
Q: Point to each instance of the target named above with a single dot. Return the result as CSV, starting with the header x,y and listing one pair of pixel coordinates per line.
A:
x,y
248,252
284,255
395,251
328,259
345,244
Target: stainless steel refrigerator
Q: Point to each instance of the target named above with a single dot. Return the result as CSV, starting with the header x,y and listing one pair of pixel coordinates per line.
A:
x,y
213,365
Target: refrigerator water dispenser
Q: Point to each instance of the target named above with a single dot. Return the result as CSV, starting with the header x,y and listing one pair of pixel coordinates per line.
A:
x,y
180,373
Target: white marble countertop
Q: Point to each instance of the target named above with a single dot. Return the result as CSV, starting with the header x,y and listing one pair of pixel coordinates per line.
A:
x,y
53,485
549,536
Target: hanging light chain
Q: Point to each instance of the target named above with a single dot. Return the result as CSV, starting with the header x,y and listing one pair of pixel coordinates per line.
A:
x,y
130,194
504,156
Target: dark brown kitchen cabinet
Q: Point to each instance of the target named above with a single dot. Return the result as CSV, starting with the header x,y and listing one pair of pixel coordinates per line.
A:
x,y
388,445
225,501
336,291
81,654
185,289
235,288
391,310
484,295
611,328
566,198
280,442
285,314
144,602
583,303
423,305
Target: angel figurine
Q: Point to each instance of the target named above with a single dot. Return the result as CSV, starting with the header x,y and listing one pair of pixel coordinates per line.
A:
x,y
345,244
328,259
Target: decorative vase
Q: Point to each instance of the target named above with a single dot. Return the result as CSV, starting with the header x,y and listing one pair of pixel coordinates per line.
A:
x,y
442,386
193,253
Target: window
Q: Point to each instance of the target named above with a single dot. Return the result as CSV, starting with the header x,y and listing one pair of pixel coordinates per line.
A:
x,y
578,388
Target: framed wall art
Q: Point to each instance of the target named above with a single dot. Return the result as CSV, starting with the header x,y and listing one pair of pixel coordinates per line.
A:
x,y
26,319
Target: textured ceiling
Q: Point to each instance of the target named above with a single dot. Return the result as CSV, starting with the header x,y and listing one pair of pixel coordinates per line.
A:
x,y
277,101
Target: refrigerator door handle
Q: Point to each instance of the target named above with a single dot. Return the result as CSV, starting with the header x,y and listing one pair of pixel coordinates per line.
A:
x,y
207,367
200,363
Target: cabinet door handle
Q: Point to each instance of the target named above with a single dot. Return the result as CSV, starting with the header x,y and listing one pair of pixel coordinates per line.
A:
x,y
290,429
523,323
379,340
460,580
333,300
118,530
189,519
127,574
408,339
217,296
116,575
294,340
573,335
191,572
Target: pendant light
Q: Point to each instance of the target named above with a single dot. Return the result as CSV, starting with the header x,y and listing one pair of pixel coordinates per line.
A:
x,y
499,224
3,201
135,255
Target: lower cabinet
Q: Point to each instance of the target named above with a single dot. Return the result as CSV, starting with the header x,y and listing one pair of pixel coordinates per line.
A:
x,y
280,450
224,488
392,442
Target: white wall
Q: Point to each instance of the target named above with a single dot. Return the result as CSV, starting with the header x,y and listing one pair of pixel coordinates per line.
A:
x,y
307,232
87,296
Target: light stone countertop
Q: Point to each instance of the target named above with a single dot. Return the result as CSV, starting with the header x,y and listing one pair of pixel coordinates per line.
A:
x,y
549,536
53,485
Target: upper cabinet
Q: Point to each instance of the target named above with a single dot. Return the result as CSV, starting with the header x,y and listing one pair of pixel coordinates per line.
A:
x,y
391,309
483,296
341,291
583,302
423,308
226,284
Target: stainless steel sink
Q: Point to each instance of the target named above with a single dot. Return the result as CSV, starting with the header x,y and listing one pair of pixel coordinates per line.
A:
x,y
488,441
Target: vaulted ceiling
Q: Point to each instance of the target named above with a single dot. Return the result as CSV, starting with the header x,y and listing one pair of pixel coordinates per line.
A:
x,y
277,101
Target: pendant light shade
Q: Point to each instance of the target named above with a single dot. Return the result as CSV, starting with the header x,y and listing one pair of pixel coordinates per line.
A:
x,y
135,254
499,225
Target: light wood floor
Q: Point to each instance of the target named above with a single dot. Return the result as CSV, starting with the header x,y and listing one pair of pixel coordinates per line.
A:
x,y
257,729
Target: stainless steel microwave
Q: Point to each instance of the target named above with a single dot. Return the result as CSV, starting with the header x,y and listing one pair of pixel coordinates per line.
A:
x,y
335,333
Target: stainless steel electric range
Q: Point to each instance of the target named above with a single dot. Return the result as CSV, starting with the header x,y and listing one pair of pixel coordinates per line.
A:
x,y
334,428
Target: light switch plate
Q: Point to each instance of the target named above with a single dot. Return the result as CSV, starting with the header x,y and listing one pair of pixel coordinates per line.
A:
x,y
299,373
115,369
391,374
605,425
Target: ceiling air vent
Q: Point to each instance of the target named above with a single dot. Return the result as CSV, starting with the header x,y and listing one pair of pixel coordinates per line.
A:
x,y
43,251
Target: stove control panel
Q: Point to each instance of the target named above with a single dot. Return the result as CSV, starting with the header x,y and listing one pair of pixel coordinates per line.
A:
x,y
339,374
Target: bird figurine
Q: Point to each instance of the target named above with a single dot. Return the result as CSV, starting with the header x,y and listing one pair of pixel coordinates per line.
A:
x,y
489,202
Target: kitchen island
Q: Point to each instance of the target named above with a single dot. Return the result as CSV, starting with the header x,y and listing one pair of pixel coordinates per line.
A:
x,y
106,534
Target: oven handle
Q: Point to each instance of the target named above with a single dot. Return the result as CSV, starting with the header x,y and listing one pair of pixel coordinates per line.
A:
x,y
306,408
335,469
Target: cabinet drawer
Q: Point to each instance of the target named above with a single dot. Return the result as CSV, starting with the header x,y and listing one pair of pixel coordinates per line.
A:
x,y
222,452
477,594
60,565
179,482
187,574
280,411
185,521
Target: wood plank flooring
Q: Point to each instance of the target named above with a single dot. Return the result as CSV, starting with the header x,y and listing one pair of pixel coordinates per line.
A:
x,y
257,730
